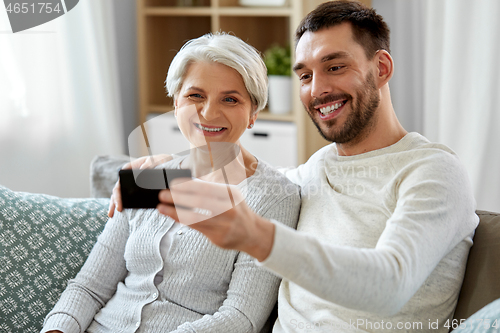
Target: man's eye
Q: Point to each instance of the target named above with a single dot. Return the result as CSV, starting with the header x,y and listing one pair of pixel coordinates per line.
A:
x,y
305,77
335,68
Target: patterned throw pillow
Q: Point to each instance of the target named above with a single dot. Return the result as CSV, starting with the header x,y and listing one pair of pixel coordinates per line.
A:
x,y
44,240
486,320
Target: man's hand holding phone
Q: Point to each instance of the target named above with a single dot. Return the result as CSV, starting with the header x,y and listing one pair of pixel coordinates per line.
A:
x,y
204,206
226,220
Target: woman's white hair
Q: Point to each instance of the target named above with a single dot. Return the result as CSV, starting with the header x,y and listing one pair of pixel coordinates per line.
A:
x,y
225,49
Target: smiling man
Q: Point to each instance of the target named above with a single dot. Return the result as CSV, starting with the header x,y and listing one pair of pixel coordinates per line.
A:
x,y
387,217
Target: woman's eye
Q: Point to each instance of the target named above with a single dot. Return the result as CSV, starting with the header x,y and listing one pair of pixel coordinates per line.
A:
x,y
230,100
195,96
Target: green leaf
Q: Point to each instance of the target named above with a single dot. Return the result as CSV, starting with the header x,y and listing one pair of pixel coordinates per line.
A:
x,y
278,60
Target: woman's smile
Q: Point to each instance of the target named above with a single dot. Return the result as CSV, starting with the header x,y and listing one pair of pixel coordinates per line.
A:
x,y
210,130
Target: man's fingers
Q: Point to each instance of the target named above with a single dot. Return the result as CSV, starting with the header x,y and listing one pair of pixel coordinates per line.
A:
x,y
195,201
199,187
127,166
189,208
206,194
147,163
134,164
150,162
197,194
185,216
168,210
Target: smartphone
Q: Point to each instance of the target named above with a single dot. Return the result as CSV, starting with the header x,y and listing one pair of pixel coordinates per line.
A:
x,y
140,187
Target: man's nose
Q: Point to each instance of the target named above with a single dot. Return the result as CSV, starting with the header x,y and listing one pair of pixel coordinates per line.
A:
x,y
210,111
320,86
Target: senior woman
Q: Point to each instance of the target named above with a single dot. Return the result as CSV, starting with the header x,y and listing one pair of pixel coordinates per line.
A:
x,y
149,274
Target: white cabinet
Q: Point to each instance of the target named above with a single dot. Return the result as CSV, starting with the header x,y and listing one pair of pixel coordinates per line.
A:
x,y
273,141
164,135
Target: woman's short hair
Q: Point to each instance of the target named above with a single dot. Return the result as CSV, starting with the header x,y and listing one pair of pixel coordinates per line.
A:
x,y
225,49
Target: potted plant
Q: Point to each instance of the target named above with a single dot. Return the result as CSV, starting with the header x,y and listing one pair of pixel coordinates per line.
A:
x,y
279,70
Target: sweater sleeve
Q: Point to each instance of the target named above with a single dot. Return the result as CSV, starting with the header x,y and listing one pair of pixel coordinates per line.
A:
x,y
96,282
434,212
252,291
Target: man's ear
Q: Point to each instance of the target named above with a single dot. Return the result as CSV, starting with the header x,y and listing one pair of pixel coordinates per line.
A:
x,y
385,67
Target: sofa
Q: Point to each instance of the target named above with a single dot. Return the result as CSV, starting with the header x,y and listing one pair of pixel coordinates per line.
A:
x,y
44,241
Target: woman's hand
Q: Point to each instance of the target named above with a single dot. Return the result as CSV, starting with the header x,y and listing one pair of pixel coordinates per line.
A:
x,y
220,213
145,162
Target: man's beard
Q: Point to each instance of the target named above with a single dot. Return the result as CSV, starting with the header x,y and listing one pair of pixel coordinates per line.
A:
x,y
359,120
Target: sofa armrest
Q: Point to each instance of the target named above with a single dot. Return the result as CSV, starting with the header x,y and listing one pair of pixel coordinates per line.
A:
x,y
481,283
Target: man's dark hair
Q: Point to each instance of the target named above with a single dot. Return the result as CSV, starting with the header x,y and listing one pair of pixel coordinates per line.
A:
x,y
369,28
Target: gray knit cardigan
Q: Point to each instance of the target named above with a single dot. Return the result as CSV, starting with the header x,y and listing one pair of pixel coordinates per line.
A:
x,y
204,289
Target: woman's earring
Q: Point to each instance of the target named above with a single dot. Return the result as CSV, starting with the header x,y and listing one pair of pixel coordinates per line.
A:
x,y
250,126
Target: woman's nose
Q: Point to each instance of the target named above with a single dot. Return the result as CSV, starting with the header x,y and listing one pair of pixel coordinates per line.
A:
x,y
210,111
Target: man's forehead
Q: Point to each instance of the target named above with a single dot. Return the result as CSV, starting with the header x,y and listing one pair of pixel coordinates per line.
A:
x,y
316,45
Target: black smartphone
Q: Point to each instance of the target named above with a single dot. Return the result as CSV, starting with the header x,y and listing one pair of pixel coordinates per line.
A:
x,y
140,187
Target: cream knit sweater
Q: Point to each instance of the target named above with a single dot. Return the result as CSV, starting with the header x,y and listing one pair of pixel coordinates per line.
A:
x,y
382,241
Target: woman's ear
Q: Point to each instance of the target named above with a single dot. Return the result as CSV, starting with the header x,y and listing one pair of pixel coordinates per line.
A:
x,y
175,107
385,67
253,117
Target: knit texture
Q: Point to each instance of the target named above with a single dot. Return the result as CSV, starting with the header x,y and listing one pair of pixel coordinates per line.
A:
x,y
204,289
383,241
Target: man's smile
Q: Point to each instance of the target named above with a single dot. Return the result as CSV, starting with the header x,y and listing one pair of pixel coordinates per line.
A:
x,y
330,110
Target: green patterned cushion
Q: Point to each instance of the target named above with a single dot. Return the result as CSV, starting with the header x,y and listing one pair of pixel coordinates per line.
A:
x,y
44,240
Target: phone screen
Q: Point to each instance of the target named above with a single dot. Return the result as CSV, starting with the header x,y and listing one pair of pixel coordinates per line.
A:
x,y
140,187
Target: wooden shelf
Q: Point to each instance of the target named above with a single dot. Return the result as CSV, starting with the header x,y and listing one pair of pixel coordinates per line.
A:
x,y
266,115
223,11
178,11
160,108
254,11
163,28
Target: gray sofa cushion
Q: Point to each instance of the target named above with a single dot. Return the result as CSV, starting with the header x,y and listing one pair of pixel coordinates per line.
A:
x,y
104,174
44,240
